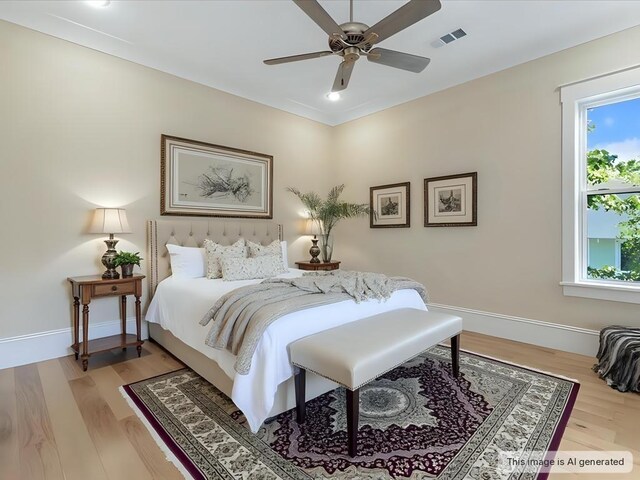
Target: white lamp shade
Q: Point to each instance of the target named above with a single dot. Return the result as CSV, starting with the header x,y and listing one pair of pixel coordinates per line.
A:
x,y
312,228
110,220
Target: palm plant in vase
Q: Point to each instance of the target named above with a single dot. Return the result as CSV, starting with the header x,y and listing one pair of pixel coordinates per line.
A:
x,y
328,213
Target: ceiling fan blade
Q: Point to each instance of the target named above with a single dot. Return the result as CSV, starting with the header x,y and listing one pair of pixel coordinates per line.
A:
x,y
404,17
392,58
318,14
296,58
343,76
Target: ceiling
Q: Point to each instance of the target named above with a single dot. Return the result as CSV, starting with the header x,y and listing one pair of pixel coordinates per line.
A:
x,y
222,43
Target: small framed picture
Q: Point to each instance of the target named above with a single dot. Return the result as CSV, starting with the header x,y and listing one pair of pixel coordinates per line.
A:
x,y
390,206
451,201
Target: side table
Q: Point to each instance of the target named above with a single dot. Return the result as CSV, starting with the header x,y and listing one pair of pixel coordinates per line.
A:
x,y
83,290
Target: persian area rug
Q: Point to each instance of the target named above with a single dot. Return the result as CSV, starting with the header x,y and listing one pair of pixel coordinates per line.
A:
x,y
416,422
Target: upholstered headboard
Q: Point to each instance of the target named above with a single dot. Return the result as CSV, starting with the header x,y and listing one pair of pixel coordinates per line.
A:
x,y
192,233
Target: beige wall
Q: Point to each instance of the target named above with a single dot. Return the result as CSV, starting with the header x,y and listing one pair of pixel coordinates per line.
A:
x,y
505,126
81,129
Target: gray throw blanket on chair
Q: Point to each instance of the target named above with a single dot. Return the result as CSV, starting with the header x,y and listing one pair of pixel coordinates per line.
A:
x,y
619,358
241,316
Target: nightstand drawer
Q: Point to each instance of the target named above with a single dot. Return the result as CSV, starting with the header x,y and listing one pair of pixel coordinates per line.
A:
x,y
326,267
113,289
318,265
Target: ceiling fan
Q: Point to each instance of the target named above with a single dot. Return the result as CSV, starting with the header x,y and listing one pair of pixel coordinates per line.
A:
x,y
351,40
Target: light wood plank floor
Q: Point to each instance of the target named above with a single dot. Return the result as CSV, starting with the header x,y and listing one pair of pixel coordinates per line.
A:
x,y
58,422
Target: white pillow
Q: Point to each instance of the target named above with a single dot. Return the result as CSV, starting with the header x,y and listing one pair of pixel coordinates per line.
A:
x,y
264,266
274,248
214,252
186,262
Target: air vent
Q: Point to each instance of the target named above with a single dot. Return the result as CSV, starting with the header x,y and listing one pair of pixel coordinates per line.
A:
x,y
449,38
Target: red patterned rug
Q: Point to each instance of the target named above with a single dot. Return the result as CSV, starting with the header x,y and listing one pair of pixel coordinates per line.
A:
x,y
416,422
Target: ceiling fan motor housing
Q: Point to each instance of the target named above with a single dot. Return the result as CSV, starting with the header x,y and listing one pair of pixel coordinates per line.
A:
x,y
355,35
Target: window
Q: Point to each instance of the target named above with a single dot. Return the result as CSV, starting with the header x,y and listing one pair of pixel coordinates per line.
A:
x,y
601,187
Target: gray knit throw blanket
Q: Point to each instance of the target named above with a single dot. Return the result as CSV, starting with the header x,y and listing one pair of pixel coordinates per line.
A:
x,y
241,316
619,358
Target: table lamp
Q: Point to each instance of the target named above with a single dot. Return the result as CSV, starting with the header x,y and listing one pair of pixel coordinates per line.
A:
x,y
313,228
111,221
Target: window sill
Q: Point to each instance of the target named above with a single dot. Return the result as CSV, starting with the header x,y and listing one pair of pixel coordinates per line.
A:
x,y
602,291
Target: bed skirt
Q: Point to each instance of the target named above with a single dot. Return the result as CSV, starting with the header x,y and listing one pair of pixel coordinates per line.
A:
x,y
208,369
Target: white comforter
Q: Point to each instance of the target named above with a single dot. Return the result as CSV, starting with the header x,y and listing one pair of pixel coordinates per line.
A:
x,y
179,305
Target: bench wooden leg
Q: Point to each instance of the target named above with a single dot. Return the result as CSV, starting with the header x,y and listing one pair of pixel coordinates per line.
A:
x,y
299,382
353,414
455,355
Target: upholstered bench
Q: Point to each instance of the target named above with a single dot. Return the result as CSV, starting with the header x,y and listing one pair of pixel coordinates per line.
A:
x,y
356,353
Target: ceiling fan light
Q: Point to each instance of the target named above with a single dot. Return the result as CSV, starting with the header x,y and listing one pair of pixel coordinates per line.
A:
x,y
333,96
98,3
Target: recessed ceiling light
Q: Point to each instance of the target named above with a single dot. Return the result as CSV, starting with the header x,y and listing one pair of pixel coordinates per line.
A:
x,y
99,3
333,96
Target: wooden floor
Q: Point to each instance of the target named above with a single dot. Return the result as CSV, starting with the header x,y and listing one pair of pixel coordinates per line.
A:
x,y
57,422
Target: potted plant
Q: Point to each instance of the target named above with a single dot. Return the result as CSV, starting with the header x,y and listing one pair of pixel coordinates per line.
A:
x,y
328,213
126,260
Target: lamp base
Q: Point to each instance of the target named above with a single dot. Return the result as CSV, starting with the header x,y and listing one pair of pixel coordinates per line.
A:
x,y
314,251
109,259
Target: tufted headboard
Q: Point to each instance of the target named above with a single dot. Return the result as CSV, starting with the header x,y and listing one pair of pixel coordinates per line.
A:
x,y
192,233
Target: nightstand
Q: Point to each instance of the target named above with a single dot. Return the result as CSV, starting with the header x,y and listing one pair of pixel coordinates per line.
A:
x,y
318,266
83,290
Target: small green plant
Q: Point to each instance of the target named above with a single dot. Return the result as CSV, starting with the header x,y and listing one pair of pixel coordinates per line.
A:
x,y
127,258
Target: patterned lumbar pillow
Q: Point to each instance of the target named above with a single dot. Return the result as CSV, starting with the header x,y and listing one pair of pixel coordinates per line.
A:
x,y
264,266
215,252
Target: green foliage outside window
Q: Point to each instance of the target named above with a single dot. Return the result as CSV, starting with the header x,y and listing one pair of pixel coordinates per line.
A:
x,y
603,167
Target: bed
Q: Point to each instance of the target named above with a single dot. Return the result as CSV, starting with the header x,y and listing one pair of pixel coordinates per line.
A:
x,y
178,305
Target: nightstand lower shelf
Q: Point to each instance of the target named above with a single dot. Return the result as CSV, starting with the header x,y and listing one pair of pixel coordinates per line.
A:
x,y
105,344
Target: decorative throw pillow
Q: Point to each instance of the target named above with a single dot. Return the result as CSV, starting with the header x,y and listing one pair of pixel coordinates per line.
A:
x,y
186,262
249,268
257,250
274,248
215,252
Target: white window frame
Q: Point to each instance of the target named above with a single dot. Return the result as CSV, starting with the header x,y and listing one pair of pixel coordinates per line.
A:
x,y
576,99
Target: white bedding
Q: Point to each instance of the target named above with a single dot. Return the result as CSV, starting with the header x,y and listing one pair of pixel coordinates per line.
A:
x,y
179,304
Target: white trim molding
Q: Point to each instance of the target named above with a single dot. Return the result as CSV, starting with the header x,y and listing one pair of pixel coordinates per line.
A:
x,y
56,343
576,99
536,332
613,291
37,347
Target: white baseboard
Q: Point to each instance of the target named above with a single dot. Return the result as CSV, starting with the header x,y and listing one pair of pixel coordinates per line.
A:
x,y
56,343
36,347
536,332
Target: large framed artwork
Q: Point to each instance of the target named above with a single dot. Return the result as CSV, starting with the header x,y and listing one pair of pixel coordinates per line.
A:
x,y
451,201
389,206
203,179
